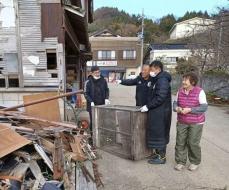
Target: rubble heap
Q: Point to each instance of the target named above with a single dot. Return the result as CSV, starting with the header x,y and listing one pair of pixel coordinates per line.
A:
x,y
37,153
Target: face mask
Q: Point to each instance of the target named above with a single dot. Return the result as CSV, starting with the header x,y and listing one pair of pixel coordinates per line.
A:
x,y
153,74
96,78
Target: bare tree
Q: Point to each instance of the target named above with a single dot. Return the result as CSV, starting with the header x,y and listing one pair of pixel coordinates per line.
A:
x,y
210,48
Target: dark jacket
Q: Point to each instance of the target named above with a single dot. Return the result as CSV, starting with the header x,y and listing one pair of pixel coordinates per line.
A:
x,y
142,88
160,111
96,91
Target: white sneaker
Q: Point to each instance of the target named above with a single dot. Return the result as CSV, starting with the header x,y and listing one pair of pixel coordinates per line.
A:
x,y
179,167
193,167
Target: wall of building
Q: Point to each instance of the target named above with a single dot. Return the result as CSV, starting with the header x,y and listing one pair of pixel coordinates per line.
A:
x,y
8,99
191,27
118,66
8,44
35,73
174,53
118,44
8,52
38,30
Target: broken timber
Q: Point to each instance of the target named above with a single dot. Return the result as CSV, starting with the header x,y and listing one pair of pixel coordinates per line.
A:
x,y
42,100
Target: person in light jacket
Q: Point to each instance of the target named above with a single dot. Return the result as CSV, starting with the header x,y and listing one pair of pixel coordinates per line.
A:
x,y
190,105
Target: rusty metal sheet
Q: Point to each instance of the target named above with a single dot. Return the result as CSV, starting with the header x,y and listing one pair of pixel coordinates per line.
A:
x,y
48,110
10,140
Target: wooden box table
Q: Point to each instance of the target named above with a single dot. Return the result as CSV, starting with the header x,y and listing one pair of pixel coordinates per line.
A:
x,y
120,130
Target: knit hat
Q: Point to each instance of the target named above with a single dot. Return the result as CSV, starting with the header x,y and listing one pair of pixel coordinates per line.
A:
x,y
94,68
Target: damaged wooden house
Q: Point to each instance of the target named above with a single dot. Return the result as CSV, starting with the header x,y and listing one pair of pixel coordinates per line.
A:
x,y
44,47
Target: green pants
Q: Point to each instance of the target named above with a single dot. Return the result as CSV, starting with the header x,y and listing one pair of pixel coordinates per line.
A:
x,y
188,143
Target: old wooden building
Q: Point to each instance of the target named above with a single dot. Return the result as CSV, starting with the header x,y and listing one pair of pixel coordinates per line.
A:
x,y
117,56
44,46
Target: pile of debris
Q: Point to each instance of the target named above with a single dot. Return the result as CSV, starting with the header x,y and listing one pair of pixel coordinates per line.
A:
x,y
37,153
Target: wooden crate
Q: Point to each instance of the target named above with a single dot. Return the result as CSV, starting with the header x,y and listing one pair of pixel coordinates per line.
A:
x,y
120,130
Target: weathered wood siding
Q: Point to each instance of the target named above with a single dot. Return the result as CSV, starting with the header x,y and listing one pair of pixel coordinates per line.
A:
x,y
29,14
52,21
8,45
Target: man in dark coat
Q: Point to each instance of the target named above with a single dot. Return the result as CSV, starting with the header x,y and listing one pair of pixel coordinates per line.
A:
x,y
159,109
96,91
142,83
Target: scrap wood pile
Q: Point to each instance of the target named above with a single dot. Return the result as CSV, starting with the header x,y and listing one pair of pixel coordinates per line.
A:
x,y
37,153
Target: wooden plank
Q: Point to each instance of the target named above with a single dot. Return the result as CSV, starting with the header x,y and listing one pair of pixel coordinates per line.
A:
x,y
65,139
44,122
77,149
47,110
51,21
35,169
58,159
10,140
48,146
22,154
139,147
44,156
97,175
20,170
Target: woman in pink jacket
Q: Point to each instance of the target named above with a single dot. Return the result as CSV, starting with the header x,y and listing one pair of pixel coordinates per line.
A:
x,y
191,105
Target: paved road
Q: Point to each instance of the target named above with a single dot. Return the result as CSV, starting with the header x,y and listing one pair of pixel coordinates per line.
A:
x,y
121,174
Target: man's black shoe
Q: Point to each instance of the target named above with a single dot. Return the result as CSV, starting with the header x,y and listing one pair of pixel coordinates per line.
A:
x,y
157,160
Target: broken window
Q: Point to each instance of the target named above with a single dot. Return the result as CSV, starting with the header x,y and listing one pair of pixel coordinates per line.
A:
x,y
54,75
13,82
51,60
2,83
1,69
11,60
1,62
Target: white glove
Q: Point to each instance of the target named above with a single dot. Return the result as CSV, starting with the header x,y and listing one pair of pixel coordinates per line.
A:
x,y
107,102
118,81
144,109
92,104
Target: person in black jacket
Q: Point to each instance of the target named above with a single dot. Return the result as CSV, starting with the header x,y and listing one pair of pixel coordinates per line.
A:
x,y
159,109
142,83
96,91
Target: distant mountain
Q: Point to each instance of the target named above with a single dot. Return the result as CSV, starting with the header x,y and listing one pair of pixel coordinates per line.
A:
x,y
124,24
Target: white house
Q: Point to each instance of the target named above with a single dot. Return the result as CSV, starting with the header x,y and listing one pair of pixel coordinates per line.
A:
x,y
190,27
169,53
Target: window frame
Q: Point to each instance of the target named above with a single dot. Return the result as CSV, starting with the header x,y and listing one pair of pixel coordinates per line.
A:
x,y
126,56
106,55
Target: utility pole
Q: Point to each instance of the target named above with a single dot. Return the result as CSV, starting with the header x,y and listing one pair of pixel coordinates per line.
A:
x,y
142,41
